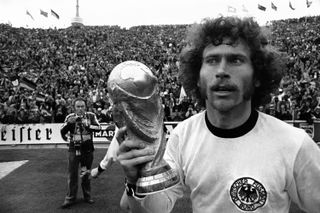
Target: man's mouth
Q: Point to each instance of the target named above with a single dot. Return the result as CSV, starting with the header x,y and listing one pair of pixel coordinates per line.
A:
x,y
223,88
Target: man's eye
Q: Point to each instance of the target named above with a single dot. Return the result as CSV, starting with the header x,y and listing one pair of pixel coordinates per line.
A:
x,y
212,60
237,60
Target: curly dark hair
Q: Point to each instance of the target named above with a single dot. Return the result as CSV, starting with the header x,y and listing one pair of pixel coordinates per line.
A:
x,y
267,63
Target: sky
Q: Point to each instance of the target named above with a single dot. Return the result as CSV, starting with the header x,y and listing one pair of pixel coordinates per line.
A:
x,y
127,13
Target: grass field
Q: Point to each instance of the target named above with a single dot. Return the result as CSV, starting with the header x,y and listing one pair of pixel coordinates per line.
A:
x,y
40,185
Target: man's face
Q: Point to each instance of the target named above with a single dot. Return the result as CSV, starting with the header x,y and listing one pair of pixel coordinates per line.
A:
x,y
80,107
226,76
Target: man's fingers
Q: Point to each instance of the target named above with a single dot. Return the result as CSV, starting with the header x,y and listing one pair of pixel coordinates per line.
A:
x,y
135,153
137,161
128,145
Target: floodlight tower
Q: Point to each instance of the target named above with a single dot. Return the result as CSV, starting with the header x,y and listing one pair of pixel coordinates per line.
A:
x,y
77,21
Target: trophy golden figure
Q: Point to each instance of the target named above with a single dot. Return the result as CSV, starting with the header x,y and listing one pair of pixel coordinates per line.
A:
x,y
134,92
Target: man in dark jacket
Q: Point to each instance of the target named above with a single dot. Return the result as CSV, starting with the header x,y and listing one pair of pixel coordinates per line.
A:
x,y
80,126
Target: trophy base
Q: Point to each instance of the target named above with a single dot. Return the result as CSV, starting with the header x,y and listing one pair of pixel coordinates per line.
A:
x,y
165,178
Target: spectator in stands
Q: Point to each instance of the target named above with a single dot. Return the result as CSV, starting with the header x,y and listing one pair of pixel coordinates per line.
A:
x,y
167,109
22,116
190,112
2,113
60,112
34,112
102,118
109,116
45,113
72,62
294,111
306,111
230,156
105,108
10,114
49,100
284,113
176,115
316,113
60,100
80,126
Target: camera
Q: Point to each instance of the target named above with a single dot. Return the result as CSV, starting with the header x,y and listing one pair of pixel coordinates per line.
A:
x,y
77,147
79,119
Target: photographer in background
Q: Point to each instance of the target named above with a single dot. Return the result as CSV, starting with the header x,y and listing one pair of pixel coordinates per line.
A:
x,y
80,126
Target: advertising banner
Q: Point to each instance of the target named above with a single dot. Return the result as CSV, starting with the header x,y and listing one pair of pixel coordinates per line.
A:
x,y
30,134
14,134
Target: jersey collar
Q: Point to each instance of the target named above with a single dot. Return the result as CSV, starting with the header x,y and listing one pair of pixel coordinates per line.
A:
x,y
235,132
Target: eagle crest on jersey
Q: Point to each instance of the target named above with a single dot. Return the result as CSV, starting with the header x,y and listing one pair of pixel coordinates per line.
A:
x,y
248,194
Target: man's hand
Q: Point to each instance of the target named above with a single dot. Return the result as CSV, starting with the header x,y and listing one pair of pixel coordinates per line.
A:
x,y
72,120
86,122
131,154
95,172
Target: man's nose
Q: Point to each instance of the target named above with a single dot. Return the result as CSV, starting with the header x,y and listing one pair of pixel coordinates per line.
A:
x,y
222,70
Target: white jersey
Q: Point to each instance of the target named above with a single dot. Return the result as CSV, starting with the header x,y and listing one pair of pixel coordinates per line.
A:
x,y
111,155
258,167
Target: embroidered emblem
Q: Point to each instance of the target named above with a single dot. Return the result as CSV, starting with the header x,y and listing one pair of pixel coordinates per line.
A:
x,y
248,194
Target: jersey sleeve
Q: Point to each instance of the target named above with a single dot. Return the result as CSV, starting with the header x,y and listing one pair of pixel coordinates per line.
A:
x,y
305,187
111,154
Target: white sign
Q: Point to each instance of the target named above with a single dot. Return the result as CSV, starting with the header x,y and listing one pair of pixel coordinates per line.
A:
x,y
12,134
46,134
30,134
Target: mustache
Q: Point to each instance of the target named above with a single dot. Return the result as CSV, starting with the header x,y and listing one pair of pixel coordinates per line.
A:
x,y
224,87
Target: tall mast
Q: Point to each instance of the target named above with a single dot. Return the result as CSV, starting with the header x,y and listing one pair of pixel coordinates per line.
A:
x,y
77,21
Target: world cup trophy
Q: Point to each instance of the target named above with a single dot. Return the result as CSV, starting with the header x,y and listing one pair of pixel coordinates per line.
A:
x,y
136,103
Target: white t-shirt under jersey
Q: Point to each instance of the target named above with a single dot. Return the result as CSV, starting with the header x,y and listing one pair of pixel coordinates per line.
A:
x,y
258,167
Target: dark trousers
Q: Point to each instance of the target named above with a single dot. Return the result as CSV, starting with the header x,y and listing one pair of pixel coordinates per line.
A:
x,y
85,159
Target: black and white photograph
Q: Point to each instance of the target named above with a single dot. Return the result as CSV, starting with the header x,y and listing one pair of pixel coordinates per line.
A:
x,y
149,106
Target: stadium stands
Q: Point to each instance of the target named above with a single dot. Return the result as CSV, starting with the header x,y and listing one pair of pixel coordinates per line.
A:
x,y
43,70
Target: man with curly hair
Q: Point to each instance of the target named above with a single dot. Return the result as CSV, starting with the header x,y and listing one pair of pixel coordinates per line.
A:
x,y
231,157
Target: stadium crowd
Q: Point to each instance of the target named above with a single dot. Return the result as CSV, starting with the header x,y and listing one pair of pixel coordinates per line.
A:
x,y
62,64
